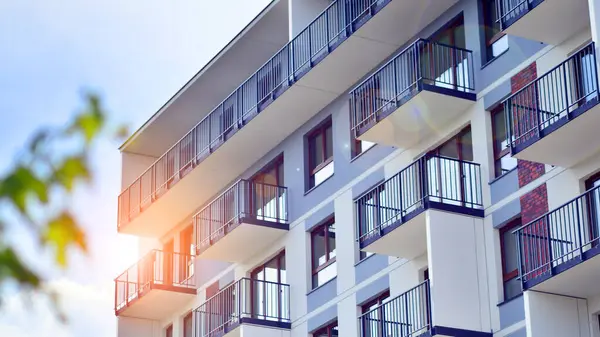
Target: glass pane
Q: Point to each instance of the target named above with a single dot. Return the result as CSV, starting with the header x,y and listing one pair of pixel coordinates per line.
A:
x,y
499,132
316,151
466,144
507,163
510,252
323,174
282,270
318,249
272,271
365,145
331,236
328,142
449,149
500,46
324,275
512,288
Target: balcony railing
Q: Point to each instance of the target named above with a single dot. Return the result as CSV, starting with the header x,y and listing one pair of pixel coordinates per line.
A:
x,y
553,99
424,63
158,269
406,315
510,11
430,182
340,19
245,301
244,201
559,239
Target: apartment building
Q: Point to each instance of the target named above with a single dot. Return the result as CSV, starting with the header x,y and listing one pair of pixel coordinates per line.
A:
x,y
370,168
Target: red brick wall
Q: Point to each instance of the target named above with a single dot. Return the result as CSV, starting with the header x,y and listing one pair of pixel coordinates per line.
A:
x,y
534,204
527,171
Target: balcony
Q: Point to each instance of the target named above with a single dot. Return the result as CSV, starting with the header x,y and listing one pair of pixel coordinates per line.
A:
x,y
557,113
393,217
416,93
247,307
241,222
410,315
548,21
557,250
158,285
307,74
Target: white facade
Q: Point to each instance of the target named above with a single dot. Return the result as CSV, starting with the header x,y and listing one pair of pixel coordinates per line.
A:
x,y
456,254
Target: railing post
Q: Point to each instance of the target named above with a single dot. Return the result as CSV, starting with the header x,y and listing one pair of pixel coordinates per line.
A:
x,y
566,92
327,30
578,226
309,46
549,237
519,261
395,74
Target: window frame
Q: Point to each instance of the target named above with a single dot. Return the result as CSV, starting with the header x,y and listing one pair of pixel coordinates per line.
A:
x,y
321,228
326,330
321,130
357,148
491,24
185,332
378,300
499,153
508,275
169,331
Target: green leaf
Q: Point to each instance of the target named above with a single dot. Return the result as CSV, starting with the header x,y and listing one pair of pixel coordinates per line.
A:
x,y
11,267
21,184
70,170
63,232
91,121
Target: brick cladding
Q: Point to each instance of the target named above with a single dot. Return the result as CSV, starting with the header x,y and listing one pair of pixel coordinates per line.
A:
x,y
527,171
534,204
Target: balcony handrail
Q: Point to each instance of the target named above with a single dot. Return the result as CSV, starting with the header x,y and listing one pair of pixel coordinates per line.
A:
x,y
245,298
399,54
424,179
422,63
243,198
147,256
571,225
557,89
416,303
286,57
514,8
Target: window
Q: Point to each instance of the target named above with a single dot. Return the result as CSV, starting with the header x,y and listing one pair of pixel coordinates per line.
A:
x,y
186,268
373,326
169,331
328,331
320,154
267,195
510,264
360,146
269,298
187,325
503,161
323,253
363,255
593,201
496,42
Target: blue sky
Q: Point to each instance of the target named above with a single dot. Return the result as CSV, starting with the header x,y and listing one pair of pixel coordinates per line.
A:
x,y
136,54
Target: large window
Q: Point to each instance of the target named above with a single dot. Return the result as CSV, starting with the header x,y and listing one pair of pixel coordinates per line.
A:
x,y
503,162
510,264
328,331
169,331
269,298
267,196
186,268
374,325
323,253
496,42
320,154
188,326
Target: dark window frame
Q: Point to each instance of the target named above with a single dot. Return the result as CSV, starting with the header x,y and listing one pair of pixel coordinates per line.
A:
x,y
322,228
511,274
326,330
378,300
169,331
313,168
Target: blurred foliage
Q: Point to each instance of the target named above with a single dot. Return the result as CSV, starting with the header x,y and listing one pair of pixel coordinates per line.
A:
x,y
37,188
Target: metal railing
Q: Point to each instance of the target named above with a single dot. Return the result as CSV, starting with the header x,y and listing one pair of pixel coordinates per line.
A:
x,y
559,236
317,40
245,199
404,316
244,299
553,97
430,179
511,10
156,268
423,62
